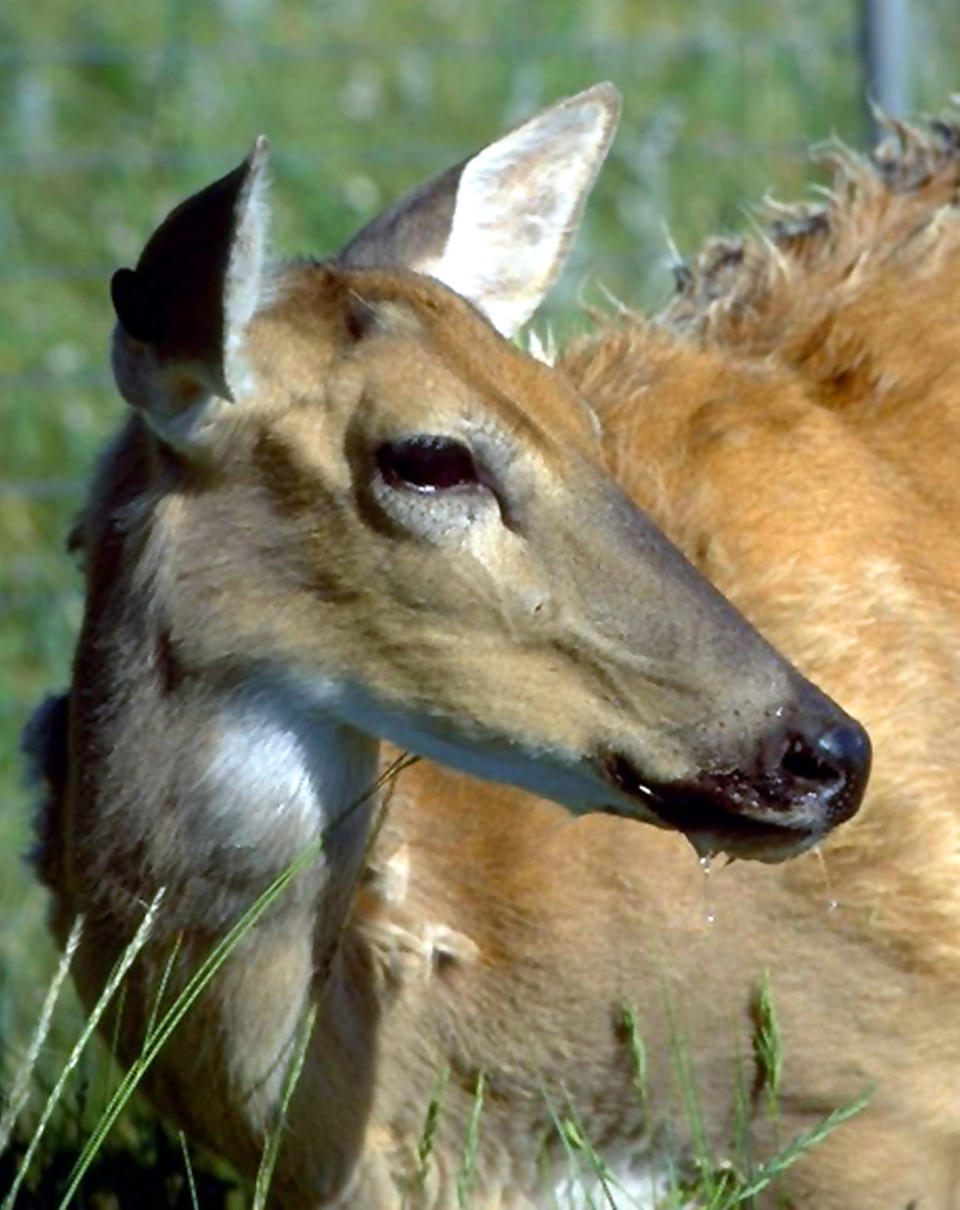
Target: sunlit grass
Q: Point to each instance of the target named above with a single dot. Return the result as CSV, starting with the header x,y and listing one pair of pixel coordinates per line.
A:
x,y
702,1179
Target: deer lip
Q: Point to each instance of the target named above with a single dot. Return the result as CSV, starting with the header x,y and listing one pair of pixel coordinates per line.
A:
x,y
750,840
624,775
722,813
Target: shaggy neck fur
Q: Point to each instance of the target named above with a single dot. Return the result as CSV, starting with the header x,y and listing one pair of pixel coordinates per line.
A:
x,y
248,770
787,420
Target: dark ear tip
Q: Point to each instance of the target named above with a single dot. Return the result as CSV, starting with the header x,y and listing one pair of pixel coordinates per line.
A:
x,y
123,290
132,310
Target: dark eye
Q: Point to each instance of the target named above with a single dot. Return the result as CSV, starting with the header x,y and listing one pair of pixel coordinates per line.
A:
x,y
428,463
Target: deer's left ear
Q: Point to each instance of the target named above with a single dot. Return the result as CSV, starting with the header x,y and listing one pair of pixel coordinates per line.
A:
x,y
181,313
497,228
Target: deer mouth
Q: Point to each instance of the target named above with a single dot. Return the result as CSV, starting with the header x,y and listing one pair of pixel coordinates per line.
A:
x,y
744,828
767,815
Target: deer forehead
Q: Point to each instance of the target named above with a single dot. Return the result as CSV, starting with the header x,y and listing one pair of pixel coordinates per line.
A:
x,y
405,353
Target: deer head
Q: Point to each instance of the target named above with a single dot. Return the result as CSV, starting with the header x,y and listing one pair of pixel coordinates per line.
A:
x,y
347,492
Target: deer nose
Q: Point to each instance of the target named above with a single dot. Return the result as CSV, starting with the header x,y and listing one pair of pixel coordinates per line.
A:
x,y
835,763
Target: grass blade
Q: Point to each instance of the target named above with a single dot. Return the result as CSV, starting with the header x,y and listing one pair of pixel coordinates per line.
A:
x,y
155,1041
21,1084
123,965
157,1037
272,1149
468,1164
430,1122
799,1145
188,1167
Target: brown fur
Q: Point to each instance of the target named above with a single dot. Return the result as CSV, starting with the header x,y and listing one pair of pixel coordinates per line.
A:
x,y
792,422
822,374
492,933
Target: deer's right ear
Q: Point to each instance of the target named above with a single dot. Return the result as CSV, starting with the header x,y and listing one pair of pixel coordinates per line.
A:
x,y
178,350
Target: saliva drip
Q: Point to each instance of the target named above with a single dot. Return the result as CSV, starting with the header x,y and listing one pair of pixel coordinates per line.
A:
x,y
832,904
705,865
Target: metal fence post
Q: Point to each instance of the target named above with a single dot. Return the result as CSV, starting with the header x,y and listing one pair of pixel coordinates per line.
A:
x,y
885,59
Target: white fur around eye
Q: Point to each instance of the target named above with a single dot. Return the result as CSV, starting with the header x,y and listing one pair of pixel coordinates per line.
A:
x,y
439,517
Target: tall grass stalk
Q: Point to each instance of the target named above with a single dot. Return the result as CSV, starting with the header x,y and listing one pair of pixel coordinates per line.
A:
x,y
574,1166
124,963
430,1123
157,1036
638,1052
577,1137
767,1047
574,1143
471,1142
271,1150
700,1146
799,1145
188,1168
21,1083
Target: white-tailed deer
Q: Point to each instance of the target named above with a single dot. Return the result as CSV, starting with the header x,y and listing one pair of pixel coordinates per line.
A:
x,y
792,421
346,509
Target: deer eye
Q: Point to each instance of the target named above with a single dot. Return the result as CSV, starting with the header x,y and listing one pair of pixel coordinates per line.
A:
x,y
427,463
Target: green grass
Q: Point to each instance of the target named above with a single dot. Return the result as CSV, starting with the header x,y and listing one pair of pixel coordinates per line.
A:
x,y
85,1164
110,113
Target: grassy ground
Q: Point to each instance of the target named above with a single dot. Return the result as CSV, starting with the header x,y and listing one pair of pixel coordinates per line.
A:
x,y
111,112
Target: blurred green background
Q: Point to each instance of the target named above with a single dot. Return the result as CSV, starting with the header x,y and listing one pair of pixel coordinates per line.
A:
x,y
111,112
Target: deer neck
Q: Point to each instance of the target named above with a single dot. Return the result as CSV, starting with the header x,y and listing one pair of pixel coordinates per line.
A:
x,y
283,774
212,790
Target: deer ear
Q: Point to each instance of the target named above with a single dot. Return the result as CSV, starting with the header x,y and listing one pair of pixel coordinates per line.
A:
x,y
497,228
181,313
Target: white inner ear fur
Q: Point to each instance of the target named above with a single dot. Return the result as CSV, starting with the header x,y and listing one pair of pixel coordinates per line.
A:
x,y
243,285
517,208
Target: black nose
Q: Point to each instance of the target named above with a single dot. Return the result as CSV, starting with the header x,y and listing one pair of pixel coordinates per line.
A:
x,y
835,762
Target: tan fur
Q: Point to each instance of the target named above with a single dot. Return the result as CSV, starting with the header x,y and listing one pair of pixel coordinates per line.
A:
x,y
792,425
260,596
822,374
794,432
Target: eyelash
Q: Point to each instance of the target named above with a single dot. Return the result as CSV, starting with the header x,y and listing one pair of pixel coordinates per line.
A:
x,y
427,463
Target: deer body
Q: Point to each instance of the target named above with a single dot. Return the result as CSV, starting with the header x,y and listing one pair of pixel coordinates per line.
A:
x,y
346,509
789,421
586,917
